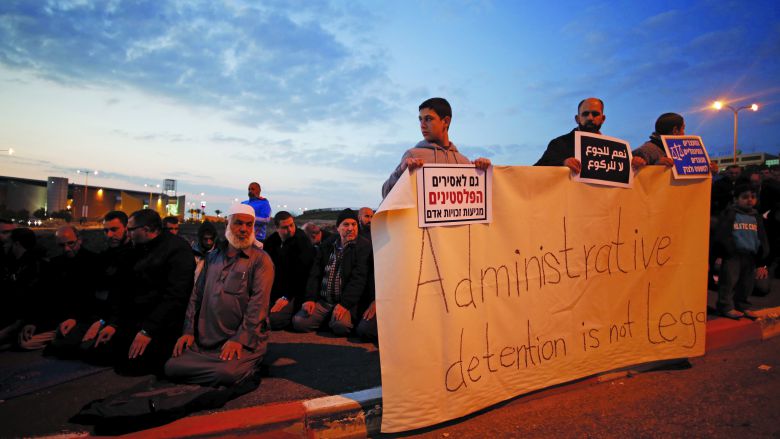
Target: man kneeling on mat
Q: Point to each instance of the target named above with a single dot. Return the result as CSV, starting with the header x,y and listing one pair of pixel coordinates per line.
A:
x,y
225,328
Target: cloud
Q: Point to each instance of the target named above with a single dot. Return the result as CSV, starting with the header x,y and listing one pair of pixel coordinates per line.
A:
x,y
659,21
260,63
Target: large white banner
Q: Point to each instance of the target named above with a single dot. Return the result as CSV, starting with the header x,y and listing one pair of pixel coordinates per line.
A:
x,y
570,279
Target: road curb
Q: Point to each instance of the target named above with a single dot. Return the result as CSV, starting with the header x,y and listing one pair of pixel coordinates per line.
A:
x,y
359,414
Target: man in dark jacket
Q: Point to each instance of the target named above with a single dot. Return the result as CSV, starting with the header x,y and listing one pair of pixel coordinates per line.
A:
x,y
149,312
22,286
73,285
560,151
337,280
292,254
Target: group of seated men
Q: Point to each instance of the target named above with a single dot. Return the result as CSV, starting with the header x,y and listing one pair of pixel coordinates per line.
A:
x,y
151,302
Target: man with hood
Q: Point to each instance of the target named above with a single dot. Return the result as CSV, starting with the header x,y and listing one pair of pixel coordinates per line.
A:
x,y
435,117
206,243
560,151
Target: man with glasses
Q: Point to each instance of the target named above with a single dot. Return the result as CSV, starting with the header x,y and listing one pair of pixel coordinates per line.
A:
x,y
560,152
110,272
148,311
73,281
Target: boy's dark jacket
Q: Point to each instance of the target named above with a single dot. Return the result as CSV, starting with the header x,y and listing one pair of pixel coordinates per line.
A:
x,y
724,237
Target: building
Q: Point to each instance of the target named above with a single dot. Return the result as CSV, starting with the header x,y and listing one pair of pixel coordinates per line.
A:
x,y
89,202
56,194
22,194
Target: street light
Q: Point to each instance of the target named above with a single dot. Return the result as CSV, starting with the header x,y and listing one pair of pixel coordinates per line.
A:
x,y
719,105
151,188
85,205
10,151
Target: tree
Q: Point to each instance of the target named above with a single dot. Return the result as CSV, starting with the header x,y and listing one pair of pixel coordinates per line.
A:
x,y
40,213
217,211
63,214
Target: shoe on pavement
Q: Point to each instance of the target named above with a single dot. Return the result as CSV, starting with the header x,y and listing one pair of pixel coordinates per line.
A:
x,y
752,315
732,314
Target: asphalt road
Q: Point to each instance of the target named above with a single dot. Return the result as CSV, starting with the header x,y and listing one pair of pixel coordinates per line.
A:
x,y
725,394
299,367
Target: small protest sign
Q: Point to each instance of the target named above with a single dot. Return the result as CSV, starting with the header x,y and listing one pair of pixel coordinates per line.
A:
x,y
605,160
453,195
690,157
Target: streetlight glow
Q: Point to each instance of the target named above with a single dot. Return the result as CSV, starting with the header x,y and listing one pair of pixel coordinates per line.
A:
x,y
718,105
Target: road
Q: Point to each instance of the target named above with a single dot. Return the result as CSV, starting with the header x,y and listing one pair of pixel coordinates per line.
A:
x,y
725,394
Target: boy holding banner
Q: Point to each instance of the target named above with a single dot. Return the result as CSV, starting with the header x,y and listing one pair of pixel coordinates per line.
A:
x,y
435,117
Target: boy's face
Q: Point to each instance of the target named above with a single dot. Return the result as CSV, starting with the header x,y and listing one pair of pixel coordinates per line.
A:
x,y
433,127
746,200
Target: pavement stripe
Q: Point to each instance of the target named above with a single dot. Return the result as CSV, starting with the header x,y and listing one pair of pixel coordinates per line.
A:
x,y
277,420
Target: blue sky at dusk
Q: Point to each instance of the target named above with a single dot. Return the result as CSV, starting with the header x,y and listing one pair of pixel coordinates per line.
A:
x,y
318,100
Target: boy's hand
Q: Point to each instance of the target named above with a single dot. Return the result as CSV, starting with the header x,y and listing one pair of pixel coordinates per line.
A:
x,y
762,273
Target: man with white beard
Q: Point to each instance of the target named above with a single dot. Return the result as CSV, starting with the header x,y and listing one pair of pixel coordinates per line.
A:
x,y
225,327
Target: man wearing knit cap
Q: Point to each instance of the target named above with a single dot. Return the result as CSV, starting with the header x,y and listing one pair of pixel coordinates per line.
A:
x,y
225,327
338,279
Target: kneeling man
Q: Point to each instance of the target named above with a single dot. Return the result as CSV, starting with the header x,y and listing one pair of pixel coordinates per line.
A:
x,y
225,328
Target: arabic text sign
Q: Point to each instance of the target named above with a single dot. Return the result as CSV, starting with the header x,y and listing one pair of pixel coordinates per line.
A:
x,y
605,160
453,194
690,157
568,280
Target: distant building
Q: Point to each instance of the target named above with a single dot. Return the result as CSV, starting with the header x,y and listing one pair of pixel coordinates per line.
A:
x,y
90,202
56,194
17,194
755,158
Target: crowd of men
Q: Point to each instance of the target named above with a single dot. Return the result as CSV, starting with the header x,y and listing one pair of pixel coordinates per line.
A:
x,y
201,312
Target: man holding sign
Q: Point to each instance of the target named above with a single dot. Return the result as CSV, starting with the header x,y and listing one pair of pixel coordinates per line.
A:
x,y
652,152
435,117
560,151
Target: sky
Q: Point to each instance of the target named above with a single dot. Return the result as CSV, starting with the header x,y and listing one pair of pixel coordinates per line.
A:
x,y
317,100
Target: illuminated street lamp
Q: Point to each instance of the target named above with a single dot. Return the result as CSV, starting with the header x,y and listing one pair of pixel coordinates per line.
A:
x,y
719,105
10,151
151,188
85,204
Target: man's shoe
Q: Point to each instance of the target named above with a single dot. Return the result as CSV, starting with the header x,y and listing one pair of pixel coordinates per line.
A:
x,y
732,314
752,315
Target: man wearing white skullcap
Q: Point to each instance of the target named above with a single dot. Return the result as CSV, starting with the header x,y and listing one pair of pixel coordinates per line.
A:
x,y
229,308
